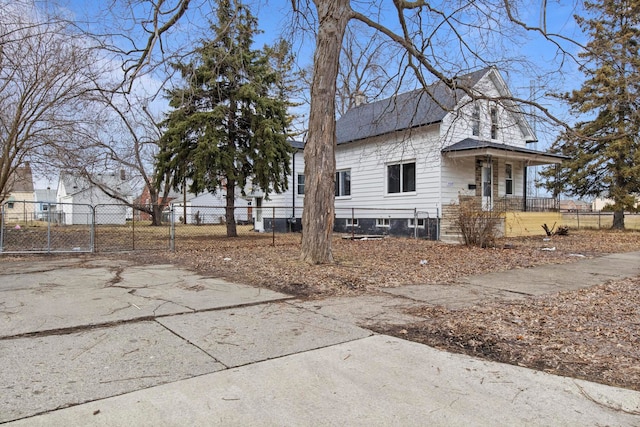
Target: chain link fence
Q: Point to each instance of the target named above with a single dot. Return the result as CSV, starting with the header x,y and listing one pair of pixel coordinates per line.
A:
x,y
35,227
598,220
32,227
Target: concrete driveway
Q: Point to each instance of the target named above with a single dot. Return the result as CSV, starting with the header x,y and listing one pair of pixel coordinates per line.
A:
x,y
91,341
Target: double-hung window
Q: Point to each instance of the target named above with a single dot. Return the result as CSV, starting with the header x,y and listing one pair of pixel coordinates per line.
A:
x,y
508,179
401,177
300,183
494,123
343,183
475,120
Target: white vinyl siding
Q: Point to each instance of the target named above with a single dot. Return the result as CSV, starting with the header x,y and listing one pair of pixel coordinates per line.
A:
x,y
368,161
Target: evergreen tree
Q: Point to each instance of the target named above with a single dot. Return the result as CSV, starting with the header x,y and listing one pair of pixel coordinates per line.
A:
x,y
604,152
228,126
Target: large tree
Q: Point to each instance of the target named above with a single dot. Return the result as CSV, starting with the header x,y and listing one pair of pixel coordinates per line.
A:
x,y
604,151
228,127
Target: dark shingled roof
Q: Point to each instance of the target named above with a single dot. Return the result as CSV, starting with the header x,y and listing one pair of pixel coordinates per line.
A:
x,y
405,111
297,144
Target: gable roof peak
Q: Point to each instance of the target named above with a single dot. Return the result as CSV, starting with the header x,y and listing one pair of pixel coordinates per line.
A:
x,y
419,107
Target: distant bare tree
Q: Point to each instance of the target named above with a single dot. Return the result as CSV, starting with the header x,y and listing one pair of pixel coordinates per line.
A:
x,y
45,76
126,141
366,68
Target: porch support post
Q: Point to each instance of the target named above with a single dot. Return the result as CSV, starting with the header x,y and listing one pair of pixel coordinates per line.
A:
x,y
524,186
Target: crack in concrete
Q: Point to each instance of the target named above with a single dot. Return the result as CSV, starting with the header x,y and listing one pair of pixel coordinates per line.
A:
x,y
165,301
80,328
117,278
192,344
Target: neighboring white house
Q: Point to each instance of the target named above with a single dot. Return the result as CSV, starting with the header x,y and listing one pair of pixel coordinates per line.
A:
x,y
286,207
78,201
208,208
45,206
599,203
422,151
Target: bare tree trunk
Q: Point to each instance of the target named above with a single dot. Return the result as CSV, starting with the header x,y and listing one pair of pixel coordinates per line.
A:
x,y
156,214
319,152
618,220
230,210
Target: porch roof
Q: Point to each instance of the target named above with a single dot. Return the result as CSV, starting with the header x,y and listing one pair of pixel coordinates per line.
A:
x,y
472,147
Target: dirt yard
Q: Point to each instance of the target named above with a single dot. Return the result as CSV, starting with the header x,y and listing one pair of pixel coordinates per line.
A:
x,y
592,334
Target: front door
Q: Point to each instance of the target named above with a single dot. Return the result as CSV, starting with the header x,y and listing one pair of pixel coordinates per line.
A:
x,y
258,223
487,186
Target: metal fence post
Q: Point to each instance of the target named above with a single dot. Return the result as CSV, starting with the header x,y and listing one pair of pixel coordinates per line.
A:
x,y
1,228
48,228
92,228
353,225
172,230
415,223
273,226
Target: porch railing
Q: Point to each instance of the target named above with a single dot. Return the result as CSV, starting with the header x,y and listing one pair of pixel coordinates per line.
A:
x,y
530,204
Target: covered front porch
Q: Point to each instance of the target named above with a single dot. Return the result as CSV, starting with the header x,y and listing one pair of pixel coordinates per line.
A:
x,y
497,169
500,183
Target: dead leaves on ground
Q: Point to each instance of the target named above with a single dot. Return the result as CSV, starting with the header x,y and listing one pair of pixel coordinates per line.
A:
x,y
366,265
591,333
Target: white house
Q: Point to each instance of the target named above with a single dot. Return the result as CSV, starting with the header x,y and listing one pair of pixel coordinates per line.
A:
x,y
422,151
283,209
78,201
600,203
209,208
45,206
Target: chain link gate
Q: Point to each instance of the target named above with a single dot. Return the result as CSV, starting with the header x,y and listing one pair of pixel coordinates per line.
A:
x,y
34,227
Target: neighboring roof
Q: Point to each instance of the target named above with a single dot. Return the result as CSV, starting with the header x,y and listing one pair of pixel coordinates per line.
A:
x,y
22,180
473,146
297,144
405,111
76,184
